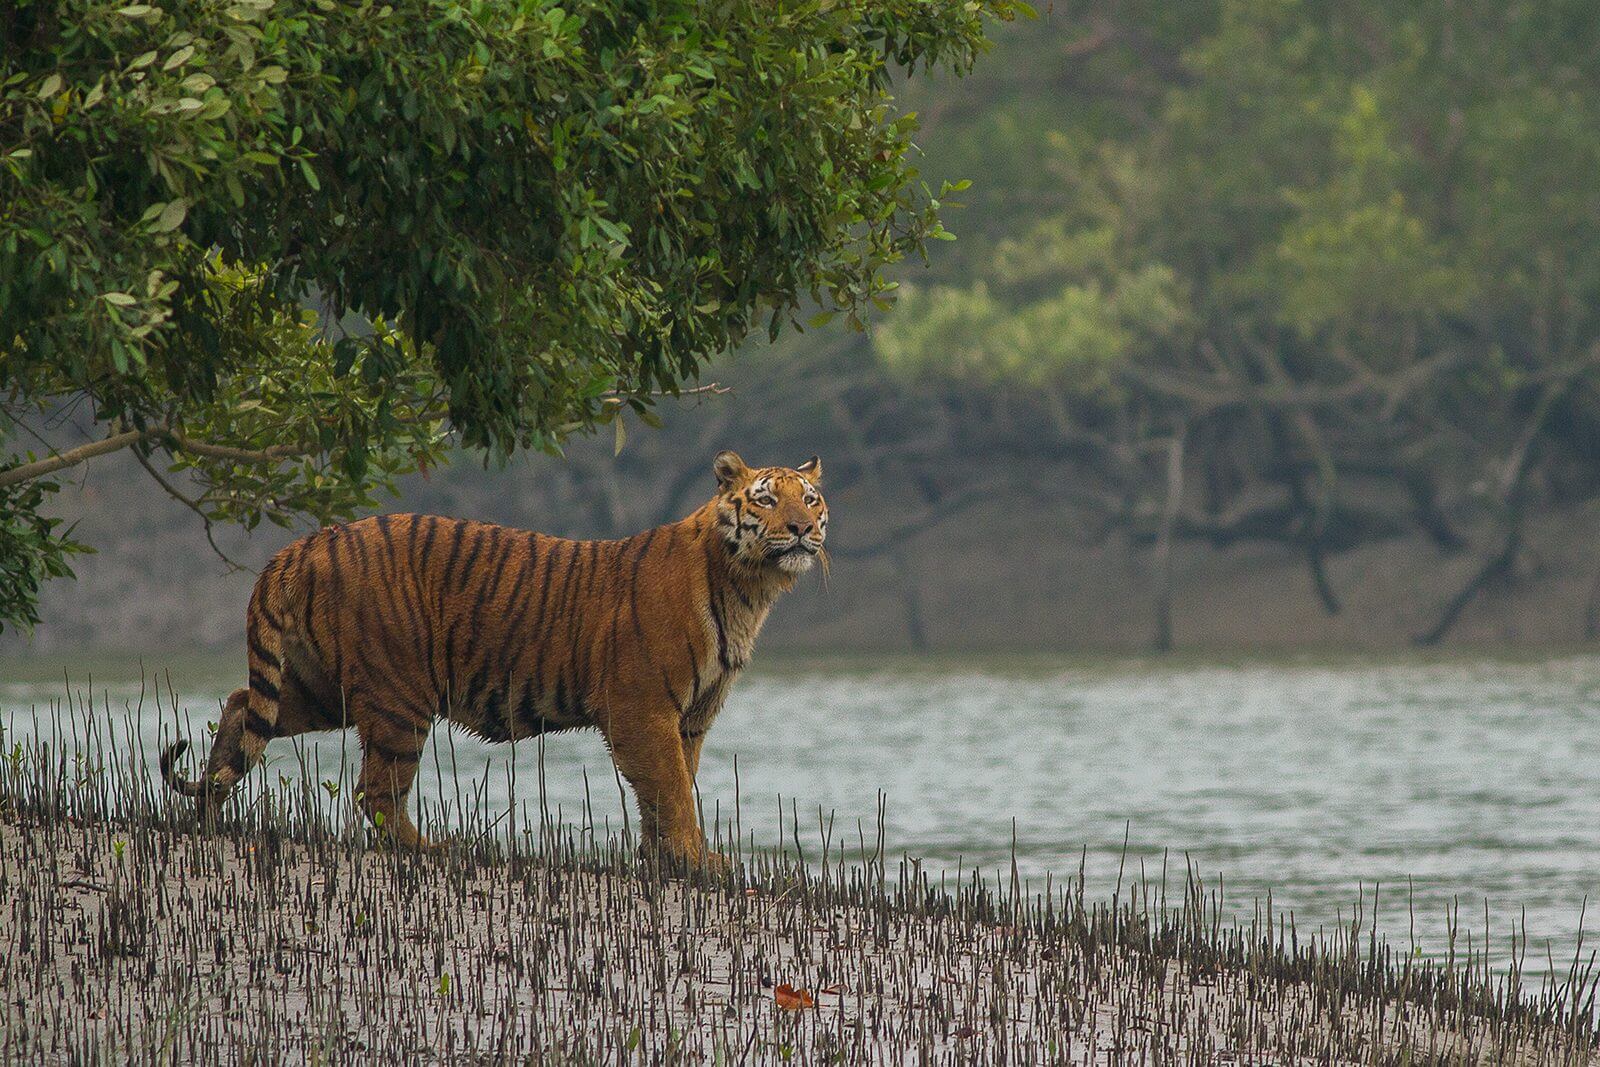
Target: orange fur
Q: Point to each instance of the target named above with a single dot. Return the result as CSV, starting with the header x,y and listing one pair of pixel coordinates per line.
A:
x,y
391,623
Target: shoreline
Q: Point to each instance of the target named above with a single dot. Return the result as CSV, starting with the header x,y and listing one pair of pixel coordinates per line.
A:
x,y
226,665
972,582
130,936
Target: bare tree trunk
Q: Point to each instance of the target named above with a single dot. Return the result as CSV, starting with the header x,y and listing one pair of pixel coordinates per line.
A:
x,y
1496,566
1429,515
1312,523
911,601
1512,491
1163,550
1319,574
1319,502
1591,611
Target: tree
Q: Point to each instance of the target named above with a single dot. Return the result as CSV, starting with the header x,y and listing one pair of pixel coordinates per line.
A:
x,y
1314,272
514,220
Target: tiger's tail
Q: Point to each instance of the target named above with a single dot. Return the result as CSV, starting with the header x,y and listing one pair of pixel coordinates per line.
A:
x,y
175,782
227,764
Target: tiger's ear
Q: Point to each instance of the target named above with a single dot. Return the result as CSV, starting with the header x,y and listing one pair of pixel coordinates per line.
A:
x,y
728,468
811,468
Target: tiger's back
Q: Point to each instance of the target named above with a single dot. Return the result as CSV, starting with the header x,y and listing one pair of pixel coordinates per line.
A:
x,y
490,626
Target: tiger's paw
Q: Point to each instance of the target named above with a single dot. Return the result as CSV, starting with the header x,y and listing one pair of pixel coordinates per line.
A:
x,y
684,859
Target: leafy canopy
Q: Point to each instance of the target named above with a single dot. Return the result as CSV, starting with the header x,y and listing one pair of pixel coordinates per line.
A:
x,y
531,216
1368,229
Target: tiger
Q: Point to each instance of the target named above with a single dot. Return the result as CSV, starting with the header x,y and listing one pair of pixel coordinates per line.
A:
x,y
392,623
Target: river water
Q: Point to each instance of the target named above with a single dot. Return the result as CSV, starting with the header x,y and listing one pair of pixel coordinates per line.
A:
x,y
1450,783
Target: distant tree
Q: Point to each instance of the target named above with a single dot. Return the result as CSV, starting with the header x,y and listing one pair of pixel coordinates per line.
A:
x,y
1310,272
531,216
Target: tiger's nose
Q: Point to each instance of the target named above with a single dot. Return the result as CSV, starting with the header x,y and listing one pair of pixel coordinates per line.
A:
x,y
800,529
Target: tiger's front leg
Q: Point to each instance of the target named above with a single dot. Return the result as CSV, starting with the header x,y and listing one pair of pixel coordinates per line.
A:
x,y
391,749
650,755
692,743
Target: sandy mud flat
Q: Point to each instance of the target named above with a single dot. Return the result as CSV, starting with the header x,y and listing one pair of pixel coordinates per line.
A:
x,y
121,942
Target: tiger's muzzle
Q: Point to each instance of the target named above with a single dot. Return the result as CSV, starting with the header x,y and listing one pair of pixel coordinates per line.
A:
x,y
795,555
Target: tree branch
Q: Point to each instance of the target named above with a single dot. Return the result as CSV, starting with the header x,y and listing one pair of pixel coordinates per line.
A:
x,y
1496,566
272,454
180,442
27,472
193,506
1209,396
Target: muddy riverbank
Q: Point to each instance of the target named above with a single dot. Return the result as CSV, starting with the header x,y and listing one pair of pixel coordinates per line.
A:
x,y
127,936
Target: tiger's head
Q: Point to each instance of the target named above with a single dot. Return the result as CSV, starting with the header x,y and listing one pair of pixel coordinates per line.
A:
x,y
771,516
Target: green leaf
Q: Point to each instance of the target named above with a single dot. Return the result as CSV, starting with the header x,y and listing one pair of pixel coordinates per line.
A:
x,y
610,229
171,216
119,299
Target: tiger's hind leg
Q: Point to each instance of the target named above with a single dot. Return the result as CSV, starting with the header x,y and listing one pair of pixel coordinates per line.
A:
x,y
231,755
391,750
242,736
277,702
249,718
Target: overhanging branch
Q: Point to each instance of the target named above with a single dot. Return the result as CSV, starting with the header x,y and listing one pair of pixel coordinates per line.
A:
x,y
27,472
180,442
